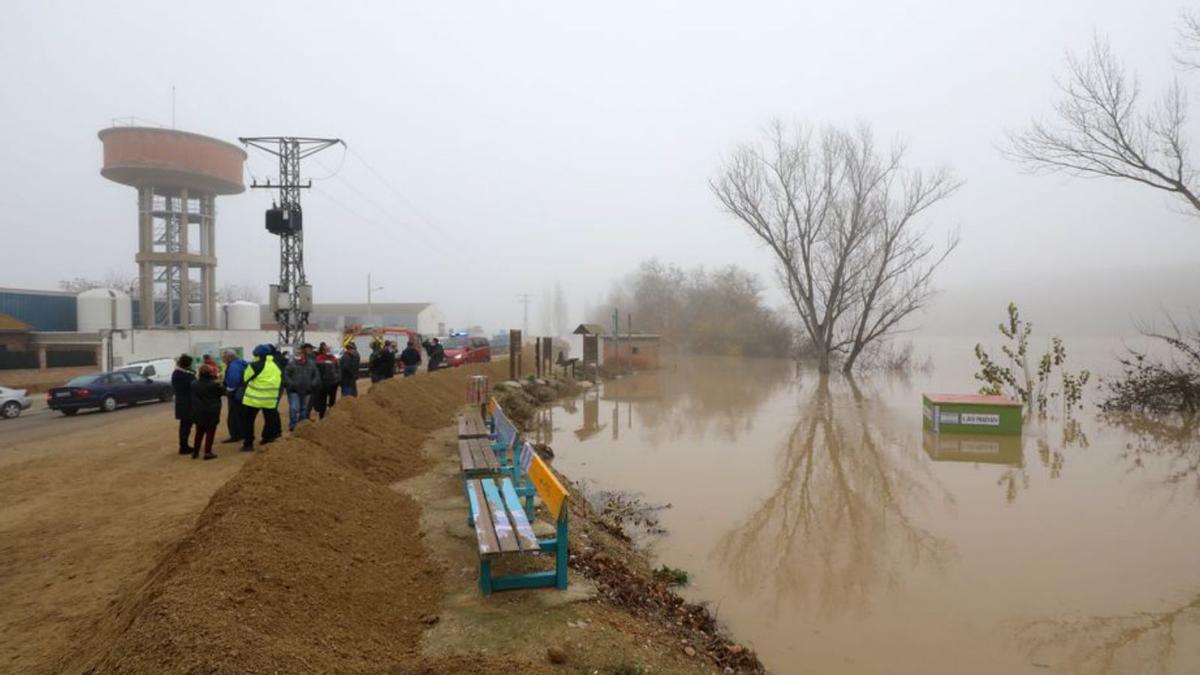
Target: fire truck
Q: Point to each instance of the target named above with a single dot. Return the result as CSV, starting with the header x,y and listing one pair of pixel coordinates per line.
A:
x,y
367,339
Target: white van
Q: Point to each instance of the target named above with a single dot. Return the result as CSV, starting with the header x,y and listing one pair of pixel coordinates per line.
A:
x,y
158,370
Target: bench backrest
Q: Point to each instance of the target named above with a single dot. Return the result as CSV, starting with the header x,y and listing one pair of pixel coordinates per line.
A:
x,y
552,492
506,432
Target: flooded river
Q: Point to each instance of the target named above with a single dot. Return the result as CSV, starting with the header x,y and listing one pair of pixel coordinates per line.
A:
x,y
834,536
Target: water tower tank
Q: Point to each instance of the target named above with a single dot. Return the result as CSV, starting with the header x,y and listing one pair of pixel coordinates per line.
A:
x,y
243,315
103,309
178,176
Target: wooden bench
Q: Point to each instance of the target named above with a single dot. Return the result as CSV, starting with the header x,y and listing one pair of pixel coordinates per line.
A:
x,y
472,425
476,457
483,457
502,528
478,424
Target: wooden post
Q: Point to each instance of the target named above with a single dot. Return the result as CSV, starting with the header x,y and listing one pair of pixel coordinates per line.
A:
x,y
537,357
514,354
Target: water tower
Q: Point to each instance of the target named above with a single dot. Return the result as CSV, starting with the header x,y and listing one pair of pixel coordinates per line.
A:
x,y
178,176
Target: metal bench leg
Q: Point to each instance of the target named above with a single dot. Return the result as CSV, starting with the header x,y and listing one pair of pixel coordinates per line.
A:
x,y
470,517
485,576
560,553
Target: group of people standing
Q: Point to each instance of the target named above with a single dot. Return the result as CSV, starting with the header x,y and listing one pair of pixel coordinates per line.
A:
x,y
382,363
310,381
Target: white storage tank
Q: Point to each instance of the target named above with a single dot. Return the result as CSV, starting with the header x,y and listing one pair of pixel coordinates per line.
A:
x,y
222,319
103,309
243,315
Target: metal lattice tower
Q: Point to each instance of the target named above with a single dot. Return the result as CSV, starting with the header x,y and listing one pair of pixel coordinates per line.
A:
x,y
292,298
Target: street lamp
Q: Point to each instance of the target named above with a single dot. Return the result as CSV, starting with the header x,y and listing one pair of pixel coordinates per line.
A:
x,y
370,288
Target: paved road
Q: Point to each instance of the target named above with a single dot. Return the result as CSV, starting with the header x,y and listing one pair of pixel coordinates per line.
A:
x,y
40,422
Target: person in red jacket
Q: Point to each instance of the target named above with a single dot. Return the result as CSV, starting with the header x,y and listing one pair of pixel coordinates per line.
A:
x,y
330,371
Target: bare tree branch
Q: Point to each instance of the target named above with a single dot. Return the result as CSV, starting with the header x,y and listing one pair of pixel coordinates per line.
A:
x,y
1102,129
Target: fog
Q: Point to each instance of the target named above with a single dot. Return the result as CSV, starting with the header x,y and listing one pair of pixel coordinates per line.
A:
x,y
495,149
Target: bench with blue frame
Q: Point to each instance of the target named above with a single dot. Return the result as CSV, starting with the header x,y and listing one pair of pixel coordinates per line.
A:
x,y
502,528
507,456
474,423
514,454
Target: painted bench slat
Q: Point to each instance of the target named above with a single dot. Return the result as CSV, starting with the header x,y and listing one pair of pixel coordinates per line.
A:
x,y
505,533
525,535
485,532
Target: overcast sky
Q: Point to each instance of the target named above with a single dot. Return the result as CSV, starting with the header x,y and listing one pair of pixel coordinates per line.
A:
x,y
523,143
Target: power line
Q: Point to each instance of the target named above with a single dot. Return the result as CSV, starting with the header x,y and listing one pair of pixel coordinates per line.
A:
x,y
335,172
524,298
388,214
388,184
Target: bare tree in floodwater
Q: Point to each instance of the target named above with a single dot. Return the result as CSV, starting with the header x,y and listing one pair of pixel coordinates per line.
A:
x,y
1169,444
1103,129
1142,642
840,216
836,527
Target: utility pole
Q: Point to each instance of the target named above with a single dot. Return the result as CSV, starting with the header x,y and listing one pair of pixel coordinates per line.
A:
x,y
617,336
525,297
291,299
370,287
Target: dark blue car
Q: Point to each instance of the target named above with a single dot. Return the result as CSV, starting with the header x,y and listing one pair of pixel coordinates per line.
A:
x,y
106,391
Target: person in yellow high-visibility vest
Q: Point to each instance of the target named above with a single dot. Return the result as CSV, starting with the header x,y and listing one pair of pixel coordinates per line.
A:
x,y
263,379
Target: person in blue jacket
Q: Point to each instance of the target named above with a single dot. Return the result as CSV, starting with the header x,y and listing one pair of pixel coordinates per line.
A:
x,y
235,366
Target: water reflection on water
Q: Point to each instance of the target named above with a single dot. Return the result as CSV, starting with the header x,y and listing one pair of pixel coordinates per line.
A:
x,y
834,535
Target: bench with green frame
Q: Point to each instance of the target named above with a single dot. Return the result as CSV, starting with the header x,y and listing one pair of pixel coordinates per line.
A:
x,y
508,455
480,423
503,528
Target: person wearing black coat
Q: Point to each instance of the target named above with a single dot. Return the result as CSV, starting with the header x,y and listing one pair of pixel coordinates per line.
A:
x,y
383,363
181,385
206,397
349,366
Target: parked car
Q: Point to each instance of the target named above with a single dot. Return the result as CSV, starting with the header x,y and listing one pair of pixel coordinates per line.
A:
x,y
106,391
158,370
461,350
13,401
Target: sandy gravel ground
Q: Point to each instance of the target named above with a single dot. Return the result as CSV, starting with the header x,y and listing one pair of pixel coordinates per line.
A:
x,y
84,515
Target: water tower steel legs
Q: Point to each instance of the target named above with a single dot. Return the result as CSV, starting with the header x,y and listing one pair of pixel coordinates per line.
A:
x,y
167,253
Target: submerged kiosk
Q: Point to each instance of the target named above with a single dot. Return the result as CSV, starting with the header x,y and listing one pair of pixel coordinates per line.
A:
x,y
972,414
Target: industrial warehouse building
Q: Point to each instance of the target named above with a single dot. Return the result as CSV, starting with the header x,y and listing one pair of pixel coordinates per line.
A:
x,y
423,317
40,329
46,329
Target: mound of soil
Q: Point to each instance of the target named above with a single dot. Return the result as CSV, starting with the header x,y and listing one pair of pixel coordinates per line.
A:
x,y
303,562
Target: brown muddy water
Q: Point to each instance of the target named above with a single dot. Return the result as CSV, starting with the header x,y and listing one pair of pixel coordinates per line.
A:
x,y
830,533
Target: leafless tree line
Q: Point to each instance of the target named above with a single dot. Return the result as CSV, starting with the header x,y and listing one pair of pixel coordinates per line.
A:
x,y
703,311
841,217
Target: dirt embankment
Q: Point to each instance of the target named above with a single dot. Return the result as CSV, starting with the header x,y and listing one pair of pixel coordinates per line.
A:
x,y
304,561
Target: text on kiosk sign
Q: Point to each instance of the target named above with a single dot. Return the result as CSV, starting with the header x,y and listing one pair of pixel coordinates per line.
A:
x,y
970,419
